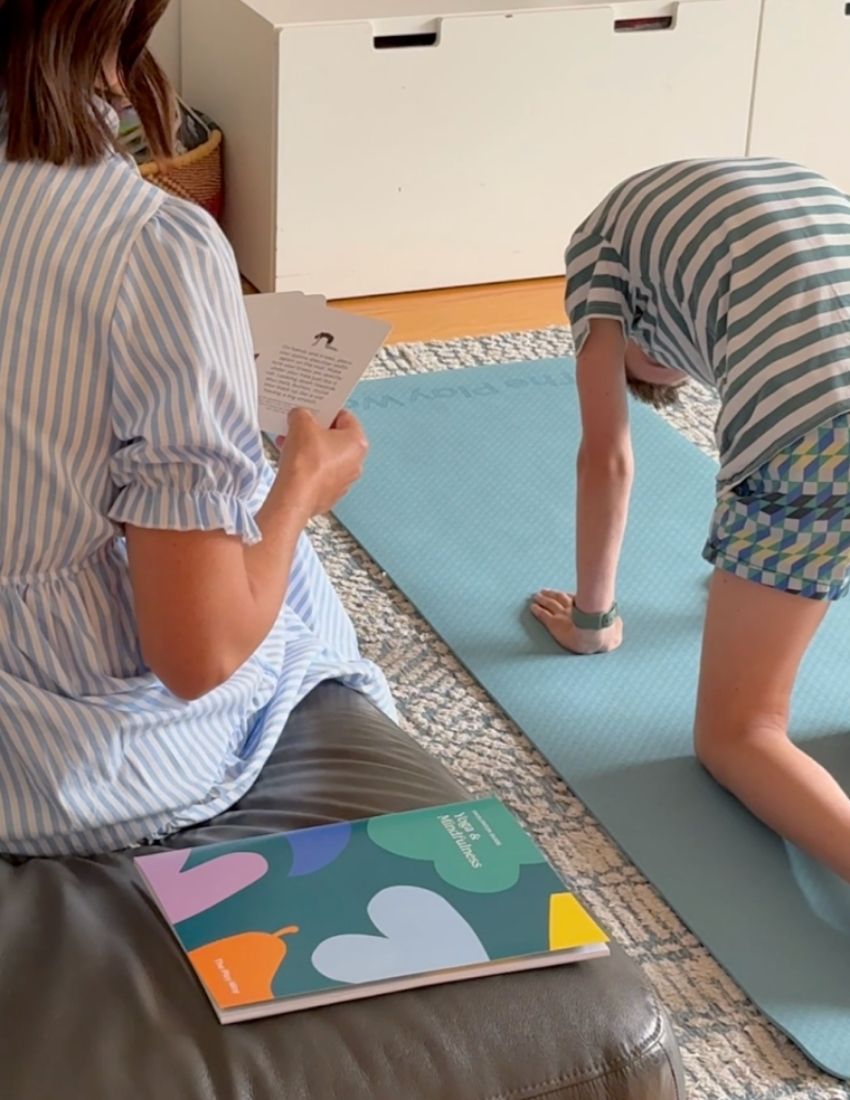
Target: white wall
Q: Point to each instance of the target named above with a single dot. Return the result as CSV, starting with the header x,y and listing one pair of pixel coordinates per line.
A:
x,y
166,43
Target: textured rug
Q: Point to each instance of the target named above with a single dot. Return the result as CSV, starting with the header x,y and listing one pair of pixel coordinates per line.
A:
x,y
730,1050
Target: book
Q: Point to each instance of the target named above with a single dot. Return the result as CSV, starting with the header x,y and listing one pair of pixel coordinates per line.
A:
x,y
301,919
308,355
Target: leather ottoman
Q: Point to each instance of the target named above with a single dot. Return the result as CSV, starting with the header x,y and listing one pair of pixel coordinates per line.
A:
x,y
96,1002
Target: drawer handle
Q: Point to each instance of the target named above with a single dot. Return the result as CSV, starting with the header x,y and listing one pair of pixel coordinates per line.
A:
x,y
651,23
404,41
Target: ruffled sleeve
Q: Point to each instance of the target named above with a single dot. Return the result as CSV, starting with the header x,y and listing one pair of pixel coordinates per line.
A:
x,y
188,453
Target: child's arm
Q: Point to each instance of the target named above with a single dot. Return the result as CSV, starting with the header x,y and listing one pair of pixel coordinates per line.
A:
x,y
605,466
587,622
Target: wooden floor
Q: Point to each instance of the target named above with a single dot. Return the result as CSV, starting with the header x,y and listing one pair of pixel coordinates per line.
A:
x,y
466,311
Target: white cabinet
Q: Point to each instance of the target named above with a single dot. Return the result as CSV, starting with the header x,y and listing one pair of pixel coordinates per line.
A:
x,y
387,145
801,108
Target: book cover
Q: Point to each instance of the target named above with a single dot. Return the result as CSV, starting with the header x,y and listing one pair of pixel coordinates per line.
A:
x,y
294,920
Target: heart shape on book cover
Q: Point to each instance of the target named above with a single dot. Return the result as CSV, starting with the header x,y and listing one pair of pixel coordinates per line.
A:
x,y
481,853
183,894
419,932
316,848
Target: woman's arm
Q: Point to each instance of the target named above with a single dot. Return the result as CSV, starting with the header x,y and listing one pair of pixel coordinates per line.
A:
x,y
204,600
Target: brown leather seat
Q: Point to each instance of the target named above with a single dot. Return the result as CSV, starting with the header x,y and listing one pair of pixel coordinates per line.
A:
x,y
96,1002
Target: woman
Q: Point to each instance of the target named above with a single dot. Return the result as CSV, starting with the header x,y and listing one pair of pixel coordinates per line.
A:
x,y
162,610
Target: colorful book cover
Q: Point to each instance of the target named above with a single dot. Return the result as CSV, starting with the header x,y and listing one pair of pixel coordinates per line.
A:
x,y
295,920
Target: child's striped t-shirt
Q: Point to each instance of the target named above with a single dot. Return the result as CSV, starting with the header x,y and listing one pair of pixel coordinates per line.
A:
x,y
737,272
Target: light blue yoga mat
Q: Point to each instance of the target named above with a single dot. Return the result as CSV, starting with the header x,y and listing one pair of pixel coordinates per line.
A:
x,y
467,503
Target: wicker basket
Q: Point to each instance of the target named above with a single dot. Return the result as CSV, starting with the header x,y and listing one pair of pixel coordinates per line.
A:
x,y
197,175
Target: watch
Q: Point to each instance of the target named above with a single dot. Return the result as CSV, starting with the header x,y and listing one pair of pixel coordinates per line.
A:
x,y
599,621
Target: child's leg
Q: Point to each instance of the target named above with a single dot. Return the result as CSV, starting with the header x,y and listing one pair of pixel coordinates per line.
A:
x,y
755,638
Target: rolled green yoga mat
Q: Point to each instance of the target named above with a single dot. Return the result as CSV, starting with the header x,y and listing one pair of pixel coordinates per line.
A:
x,y
467,503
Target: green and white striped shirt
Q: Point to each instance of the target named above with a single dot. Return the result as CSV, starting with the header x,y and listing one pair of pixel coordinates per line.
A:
x,y
737,272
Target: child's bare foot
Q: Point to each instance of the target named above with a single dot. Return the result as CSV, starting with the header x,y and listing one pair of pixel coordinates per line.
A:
x,y
555,611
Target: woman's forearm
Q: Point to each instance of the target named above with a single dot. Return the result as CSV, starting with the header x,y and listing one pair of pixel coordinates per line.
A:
x,y
604,487
282,519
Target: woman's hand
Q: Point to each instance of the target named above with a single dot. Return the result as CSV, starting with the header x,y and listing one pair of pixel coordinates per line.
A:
x,y
555,611
318,465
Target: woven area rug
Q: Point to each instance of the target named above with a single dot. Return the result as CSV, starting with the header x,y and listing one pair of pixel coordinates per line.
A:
x,y
731,1051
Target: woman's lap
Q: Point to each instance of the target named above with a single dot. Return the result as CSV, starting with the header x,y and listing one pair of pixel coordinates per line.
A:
x,y
338,758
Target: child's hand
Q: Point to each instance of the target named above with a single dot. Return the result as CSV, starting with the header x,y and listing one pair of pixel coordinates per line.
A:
x,y
555,611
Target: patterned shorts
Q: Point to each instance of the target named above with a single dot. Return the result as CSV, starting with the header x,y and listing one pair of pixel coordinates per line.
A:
x,y
788,525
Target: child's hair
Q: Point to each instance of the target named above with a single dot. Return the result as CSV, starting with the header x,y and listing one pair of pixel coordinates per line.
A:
x,y
659,397
53,54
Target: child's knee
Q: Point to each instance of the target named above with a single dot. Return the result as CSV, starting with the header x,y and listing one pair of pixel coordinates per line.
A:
x,y
720,745
712,749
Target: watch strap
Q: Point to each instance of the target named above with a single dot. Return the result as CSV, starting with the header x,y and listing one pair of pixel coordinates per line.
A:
x,y
599,621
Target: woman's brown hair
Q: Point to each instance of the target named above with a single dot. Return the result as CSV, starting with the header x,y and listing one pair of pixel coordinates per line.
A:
x,y
53,56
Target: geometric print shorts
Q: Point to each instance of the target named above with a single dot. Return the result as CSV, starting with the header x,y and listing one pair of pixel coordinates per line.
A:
x,y
788,525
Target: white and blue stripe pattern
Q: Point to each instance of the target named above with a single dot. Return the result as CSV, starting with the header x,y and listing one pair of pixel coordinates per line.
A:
x,y
737,272
128,395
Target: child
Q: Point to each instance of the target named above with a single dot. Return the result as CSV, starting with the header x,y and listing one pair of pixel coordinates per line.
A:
x,y
162,613
735,273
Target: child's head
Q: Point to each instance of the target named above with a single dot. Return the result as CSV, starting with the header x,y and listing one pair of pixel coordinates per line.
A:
x,y
57,56
651,382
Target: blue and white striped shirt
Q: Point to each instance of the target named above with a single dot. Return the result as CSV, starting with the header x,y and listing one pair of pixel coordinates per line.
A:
x,y
128,395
